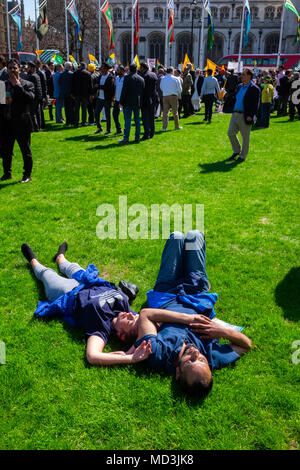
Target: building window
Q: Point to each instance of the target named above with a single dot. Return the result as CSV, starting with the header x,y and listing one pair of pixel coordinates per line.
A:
x,y
183,46
272,43
117,14
269,13
279,12
197,13
239,13
126,48
254,13
224,13
157,47
129,13
217,49
185,14
143,14
214,12
158,14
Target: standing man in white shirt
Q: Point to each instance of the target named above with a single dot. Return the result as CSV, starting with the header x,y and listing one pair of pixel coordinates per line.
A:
x,y
106,88
171,89
116,109
209,90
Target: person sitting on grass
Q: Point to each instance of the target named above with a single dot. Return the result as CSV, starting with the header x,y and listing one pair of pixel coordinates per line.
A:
x,y
86,301
187,342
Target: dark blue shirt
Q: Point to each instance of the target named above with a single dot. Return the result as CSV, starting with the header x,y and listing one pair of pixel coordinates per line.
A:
x,y
170,338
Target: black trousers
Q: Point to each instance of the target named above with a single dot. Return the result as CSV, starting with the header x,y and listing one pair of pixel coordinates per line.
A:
x,y
69,104
116,113
100,104
292,109
148,119
24,144
208,101
186,102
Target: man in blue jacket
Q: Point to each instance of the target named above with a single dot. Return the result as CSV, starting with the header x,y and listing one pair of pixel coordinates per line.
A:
x,y
65,83
246,105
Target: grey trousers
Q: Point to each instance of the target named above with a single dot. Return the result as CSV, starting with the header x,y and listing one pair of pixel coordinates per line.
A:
x,y
237,124
56,285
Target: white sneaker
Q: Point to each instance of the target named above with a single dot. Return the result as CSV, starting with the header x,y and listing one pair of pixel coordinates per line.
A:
x,y
164,130
178,128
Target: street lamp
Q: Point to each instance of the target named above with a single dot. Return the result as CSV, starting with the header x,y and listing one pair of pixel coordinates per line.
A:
x,y
193,5
229,37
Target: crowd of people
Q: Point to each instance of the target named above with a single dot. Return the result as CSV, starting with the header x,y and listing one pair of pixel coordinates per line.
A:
x,y
90,92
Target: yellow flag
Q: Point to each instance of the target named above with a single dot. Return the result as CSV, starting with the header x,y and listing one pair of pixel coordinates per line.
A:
x,y
92,58
39,52
211,65
137,62
186,61
112,56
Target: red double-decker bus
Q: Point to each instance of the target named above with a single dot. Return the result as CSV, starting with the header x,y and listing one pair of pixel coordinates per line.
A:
x,y
21,56
264,61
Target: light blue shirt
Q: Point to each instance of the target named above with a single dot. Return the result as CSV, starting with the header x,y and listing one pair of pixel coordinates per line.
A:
x,y
239,103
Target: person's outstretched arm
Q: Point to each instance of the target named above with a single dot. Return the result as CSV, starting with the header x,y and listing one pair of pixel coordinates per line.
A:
x,y
96,357
210,329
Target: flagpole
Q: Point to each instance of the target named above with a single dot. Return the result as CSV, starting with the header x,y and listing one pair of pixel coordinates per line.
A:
x,y
202,37
36,18
241,38
166,38
99,28
8,32
281,34
66,27
132,32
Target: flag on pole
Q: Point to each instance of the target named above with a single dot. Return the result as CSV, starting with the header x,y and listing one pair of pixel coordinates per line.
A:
x,y
136,61
74,63
186,61
74,13
107,15
39,52
42,21
297,37
93,60
171,21
210,26
211,65
247,23
57,59
136,34
289,5
17,17
48,54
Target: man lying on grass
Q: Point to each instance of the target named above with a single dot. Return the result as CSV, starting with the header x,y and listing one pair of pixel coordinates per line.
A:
x,y
187,342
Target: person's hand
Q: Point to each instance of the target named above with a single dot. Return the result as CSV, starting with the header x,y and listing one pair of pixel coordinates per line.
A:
x,y
131,350
196,320
248,118
142,352
207,328
14,80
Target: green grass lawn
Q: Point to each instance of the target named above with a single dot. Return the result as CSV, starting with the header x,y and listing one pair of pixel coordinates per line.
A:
x,y
50,398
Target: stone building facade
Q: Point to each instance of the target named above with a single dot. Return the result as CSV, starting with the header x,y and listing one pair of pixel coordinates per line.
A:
x,y
263,38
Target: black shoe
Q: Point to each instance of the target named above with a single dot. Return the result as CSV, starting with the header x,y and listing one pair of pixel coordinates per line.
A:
x,y
129,289
145,137
25,179
5,177
233,157
27,252
119,131
61,250
136,141
100,129
124,141
107,133
240,160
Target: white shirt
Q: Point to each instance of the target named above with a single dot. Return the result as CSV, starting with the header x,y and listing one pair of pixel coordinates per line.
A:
x,y
102,82
119,86
210,86
170,85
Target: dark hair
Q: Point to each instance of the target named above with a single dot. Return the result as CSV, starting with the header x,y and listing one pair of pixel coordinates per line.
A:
x,y
13,61
209,71
199,389
105,65
145,65
121,67
249,72
170,69
2,59
132,68
83,65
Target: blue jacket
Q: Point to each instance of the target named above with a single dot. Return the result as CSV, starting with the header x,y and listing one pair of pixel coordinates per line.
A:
x,y
200,302
63,306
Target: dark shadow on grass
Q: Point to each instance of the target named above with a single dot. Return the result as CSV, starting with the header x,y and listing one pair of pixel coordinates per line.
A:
x,y
287,294
85,137
194,123
5,185
223,166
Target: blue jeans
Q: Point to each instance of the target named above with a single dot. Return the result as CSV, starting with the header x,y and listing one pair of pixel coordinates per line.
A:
x,y
127,117
59,104
182,268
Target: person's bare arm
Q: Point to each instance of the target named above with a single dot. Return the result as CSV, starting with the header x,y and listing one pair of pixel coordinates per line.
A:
x,y
96,357
207,328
